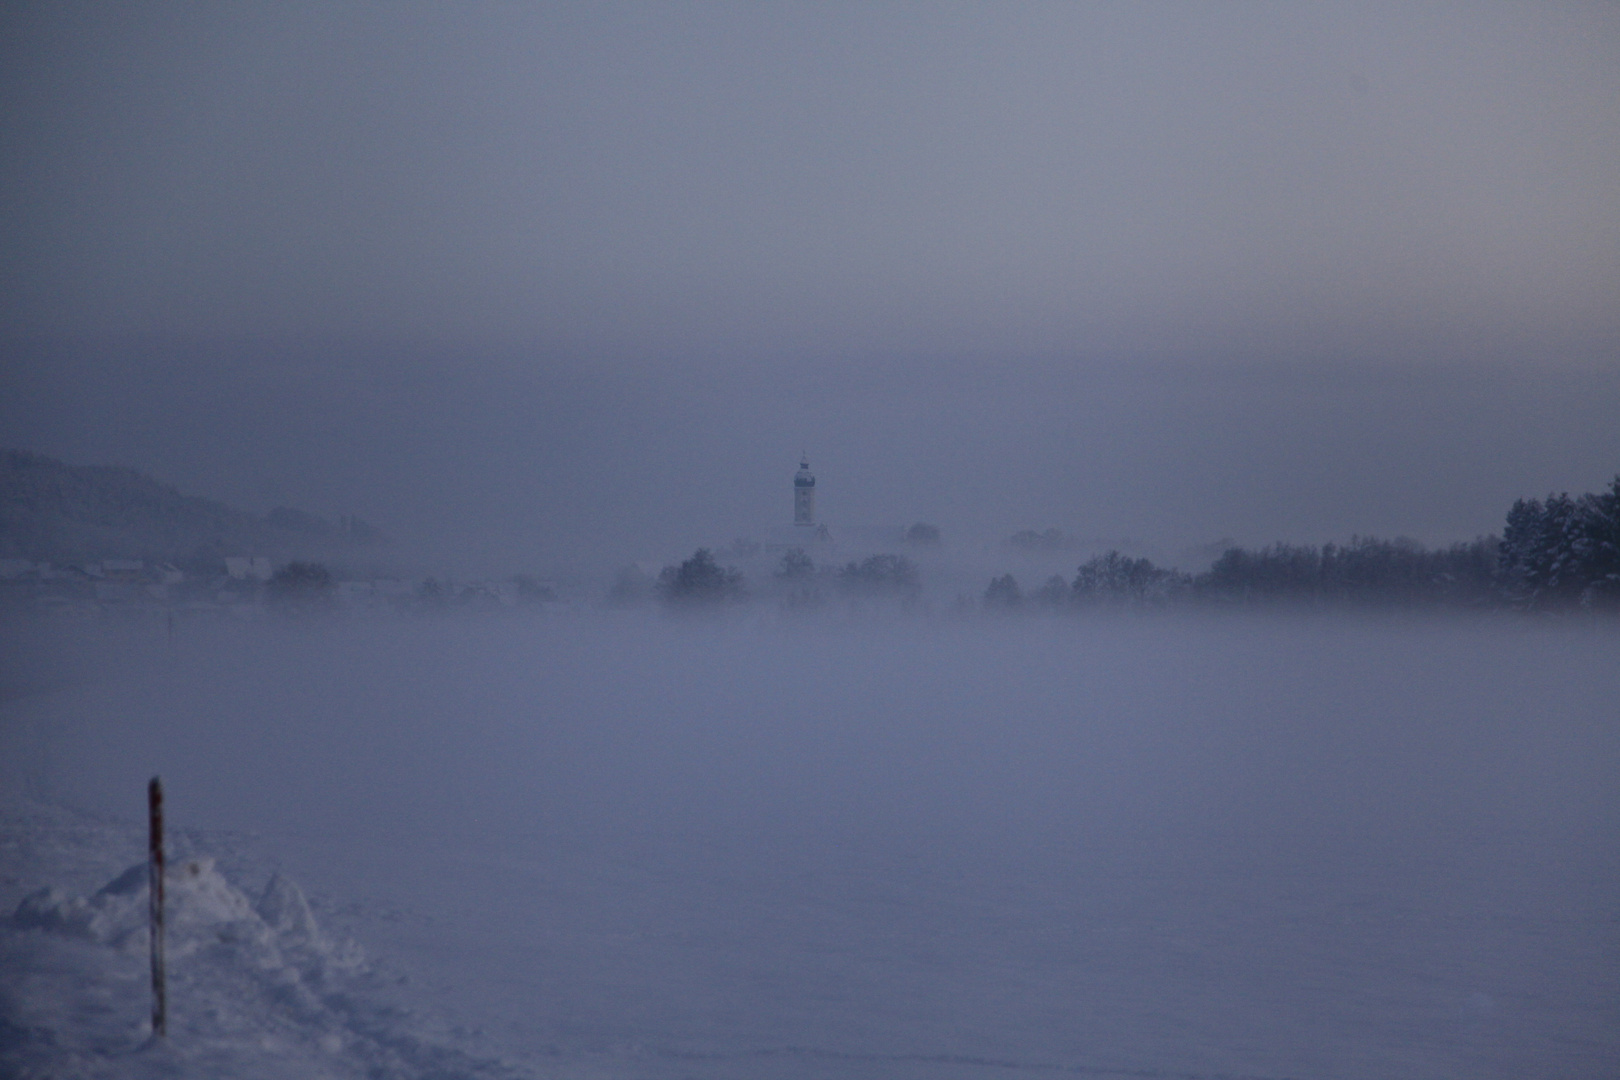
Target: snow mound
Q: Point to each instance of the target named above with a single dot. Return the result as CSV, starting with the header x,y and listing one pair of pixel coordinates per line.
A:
x,y
255,988
201,909
286,912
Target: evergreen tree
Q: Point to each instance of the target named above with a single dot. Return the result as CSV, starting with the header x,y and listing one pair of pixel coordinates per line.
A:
x,y
700,581
1539,561
1598,547
1563,552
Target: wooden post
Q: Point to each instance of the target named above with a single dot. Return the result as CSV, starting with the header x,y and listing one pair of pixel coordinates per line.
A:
x,y
154,802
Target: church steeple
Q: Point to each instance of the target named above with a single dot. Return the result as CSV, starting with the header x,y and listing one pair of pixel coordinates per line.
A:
x,y
804,494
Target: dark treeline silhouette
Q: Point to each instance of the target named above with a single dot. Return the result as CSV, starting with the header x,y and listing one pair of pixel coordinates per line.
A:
x,y
302,587
1003,593
1560,552
1366,570
1563,552
700,582
881,575
1114,578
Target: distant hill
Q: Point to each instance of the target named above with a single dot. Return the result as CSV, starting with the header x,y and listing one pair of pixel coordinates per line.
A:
x,y
50,511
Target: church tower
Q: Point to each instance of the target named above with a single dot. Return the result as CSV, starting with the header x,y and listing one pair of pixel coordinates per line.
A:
x,y
804,495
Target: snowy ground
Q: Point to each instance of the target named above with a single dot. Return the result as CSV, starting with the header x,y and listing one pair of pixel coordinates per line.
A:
x,y
628,847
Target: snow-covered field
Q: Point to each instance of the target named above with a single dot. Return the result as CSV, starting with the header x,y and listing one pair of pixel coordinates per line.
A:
x,y
625,846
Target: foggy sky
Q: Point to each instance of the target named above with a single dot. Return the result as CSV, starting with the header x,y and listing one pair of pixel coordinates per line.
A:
x,y
528,281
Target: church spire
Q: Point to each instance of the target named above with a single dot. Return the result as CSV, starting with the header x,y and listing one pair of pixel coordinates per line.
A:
x,y
804,494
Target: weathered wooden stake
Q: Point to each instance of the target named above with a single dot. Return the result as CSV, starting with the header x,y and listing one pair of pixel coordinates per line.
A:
x,y
154,802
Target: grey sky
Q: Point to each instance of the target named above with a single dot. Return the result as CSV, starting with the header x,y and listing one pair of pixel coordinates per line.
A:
x,y
1276,270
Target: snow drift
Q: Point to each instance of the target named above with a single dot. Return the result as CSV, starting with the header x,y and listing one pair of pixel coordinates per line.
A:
x,y
256,988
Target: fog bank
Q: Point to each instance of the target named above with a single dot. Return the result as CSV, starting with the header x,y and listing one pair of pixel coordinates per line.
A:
x,y
1260,845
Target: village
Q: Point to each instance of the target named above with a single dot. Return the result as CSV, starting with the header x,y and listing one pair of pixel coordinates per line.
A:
x,y
242,587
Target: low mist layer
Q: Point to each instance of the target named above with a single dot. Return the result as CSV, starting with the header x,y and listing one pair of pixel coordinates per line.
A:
x,y
1268,846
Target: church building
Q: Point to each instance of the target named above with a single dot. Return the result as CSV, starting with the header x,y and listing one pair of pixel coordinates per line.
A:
x,y
805,532
804,495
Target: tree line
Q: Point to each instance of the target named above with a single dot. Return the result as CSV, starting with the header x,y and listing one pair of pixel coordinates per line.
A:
x,y
700,581
1559,553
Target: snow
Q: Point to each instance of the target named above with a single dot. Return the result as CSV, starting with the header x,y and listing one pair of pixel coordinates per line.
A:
x,y
255,988
628,847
